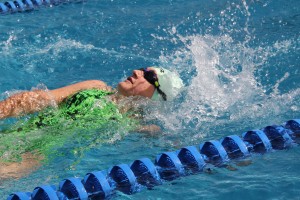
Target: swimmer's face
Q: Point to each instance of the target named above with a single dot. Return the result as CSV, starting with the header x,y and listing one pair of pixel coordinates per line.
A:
x,y
136,85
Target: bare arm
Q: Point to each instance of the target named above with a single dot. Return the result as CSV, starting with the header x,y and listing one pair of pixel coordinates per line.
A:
x,y
61,94
33,101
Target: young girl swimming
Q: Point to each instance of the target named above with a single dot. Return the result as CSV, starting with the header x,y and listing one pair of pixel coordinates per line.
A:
x,y
88,111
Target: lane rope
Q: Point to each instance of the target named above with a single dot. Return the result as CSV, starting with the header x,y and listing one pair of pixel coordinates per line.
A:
x,y
10,7
167,166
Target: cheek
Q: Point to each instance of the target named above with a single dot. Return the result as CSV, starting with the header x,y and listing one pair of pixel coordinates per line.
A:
x,y
137,89
140,88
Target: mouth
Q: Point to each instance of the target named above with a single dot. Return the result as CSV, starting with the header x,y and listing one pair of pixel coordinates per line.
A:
x,y
130,80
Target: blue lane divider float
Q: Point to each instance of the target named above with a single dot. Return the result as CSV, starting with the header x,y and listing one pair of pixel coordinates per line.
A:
x,y
9,7
168,166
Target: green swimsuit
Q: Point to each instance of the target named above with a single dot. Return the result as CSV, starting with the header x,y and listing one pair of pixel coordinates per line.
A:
x,y
84,120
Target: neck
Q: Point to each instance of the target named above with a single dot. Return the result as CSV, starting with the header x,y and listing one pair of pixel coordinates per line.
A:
x,y
116,97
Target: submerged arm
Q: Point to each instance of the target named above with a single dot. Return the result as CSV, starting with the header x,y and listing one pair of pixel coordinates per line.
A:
x,y
130,105
33,101
150,129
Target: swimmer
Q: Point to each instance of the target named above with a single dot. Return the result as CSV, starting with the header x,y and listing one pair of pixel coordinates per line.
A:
x,y
154,83
87,105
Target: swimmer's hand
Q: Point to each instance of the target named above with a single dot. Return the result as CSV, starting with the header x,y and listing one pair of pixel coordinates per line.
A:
x,y
151,130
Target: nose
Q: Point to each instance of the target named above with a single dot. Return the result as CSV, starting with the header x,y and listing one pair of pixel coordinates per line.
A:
x,y
137,73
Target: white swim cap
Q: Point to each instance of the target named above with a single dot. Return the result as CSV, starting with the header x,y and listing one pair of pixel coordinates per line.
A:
x,y
170,83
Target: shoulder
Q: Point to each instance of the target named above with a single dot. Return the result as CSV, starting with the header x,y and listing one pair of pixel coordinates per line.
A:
x,y
93,84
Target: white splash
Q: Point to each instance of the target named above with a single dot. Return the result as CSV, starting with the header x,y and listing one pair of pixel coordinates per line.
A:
x,y
7,45
223,85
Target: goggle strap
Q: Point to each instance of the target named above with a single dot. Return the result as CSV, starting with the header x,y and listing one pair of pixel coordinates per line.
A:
x,y
156,85
163,95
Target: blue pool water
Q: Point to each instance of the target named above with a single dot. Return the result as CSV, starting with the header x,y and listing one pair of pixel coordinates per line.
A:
x,y
239,61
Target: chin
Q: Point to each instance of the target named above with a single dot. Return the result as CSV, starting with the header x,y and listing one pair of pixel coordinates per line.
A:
x,y
122,88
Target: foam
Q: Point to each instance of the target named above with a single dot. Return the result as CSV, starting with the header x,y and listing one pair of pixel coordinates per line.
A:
x,y
226,84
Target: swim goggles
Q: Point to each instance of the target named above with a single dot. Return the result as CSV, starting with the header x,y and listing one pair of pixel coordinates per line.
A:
x,y
152,78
